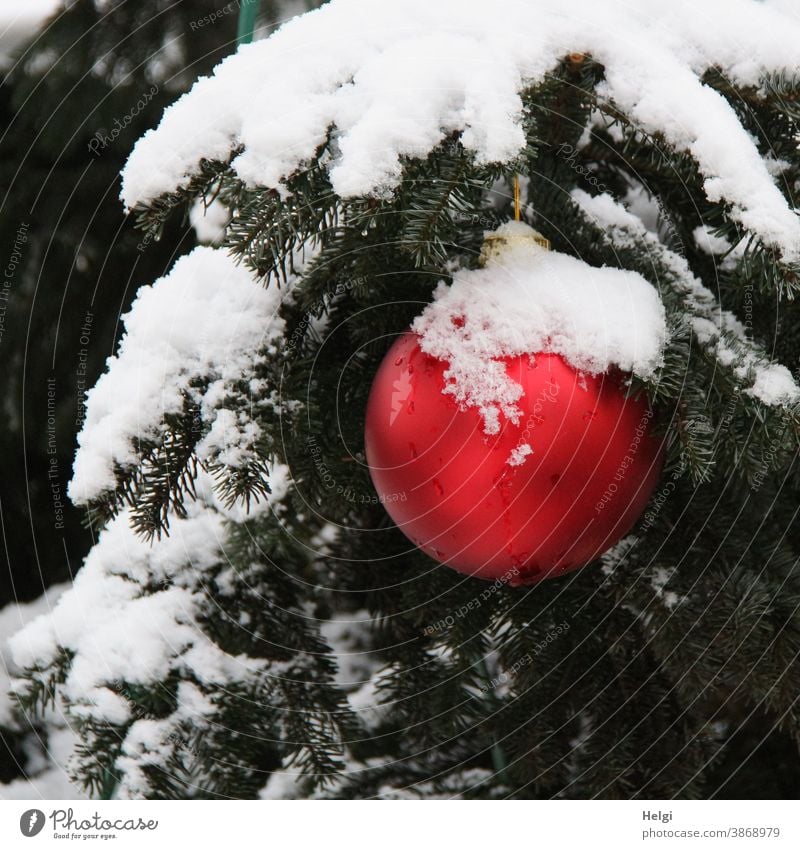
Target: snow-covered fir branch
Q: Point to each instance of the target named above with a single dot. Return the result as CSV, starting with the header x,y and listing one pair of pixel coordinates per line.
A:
x,y
348,77
716,328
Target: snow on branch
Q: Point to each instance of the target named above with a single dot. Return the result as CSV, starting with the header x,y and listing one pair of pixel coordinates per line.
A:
x,y
132,612
716,329
195,335
13,617
133,618
392,80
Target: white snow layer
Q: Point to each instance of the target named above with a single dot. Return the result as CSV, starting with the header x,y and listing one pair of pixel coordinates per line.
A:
x,y
118,631
20,20
133,615
393,79
13,617
210,221
531,300
48,777
47,748
207,320
770,383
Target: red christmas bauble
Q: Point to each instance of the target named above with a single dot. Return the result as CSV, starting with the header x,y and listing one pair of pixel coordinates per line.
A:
x,y
535,500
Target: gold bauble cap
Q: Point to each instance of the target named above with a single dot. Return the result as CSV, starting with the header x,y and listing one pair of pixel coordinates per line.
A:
x,y
510,235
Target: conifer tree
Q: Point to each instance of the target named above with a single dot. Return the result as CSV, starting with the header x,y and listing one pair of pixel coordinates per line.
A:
x,y
250,621
73,100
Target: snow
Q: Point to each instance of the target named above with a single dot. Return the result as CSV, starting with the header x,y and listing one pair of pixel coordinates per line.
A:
x,y
19,22
282,784
774,386
519,454
716,329
210,221
447,787
659,577
348,635
360,668
206,324
118,631
51,780
135,616
709,243
391,80
13,617
715,245
528,301
50,745
151,742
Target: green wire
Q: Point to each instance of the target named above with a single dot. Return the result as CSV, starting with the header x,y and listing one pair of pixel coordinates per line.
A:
x,y
248,12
